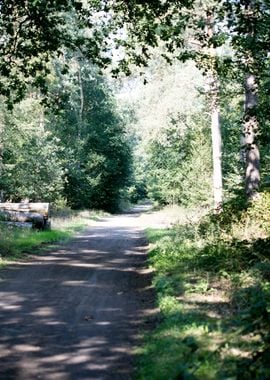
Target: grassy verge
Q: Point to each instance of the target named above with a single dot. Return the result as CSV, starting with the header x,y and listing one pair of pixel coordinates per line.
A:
x,y
16,243
212,281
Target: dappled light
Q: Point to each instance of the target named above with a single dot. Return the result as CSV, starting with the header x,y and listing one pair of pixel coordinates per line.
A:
x,y
134,190
81,313
212,287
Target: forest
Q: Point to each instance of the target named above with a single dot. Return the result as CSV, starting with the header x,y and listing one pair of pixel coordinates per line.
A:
x,y
108,104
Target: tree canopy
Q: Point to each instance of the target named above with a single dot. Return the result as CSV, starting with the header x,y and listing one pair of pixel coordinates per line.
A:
x,y
105,103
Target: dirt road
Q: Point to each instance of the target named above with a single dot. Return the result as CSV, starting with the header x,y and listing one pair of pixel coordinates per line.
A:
x,y
76,313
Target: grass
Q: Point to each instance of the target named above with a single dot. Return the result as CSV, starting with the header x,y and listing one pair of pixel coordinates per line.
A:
x,y
213,293
16,243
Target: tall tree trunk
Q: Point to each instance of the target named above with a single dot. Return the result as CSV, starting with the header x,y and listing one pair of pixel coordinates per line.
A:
x,y
1,156
250,120
250,145
80,124
215,116
216,144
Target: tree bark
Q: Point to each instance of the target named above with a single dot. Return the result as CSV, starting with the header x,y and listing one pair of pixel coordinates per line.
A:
x,y
250,131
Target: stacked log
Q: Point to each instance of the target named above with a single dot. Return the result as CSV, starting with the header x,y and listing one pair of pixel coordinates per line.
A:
x,y
35,213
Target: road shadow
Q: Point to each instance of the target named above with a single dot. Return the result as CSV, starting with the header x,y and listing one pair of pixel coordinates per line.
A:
x,y
76,313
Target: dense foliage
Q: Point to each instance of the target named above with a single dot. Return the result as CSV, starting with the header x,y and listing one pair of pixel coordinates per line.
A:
x,y
97,156
78,154
176,166
202,114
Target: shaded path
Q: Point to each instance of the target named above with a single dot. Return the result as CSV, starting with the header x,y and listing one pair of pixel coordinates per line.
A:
x,y
75,313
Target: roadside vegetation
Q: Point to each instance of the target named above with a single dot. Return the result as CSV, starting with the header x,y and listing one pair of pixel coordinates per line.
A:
x,y
18,242
212,280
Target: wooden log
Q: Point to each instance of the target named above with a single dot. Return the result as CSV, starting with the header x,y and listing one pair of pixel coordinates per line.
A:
x,y
18,216
36,219
35,213
38,207
18,224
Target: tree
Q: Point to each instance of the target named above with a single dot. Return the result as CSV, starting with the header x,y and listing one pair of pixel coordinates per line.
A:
x,y
245,23
31,163
76,151
96,153
190,33
249,24
172,147
34,31
179,166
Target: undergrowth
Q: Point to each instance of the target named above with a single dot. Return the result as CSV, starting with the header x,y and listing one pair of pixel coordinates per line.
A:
x,y
212,280
17,242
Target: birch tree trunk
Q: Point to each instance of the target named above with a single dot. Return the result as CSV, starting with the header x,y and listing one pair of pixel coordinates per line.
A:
x,y
250,132
216,145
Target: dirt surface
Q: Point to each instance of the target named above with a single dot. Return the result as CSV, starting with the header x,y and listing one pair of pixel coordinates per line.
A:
x,y
77,312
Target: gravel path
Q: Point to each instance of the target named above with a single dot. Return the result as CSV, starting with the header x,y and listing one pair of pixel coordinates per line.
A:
x,y
76,313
